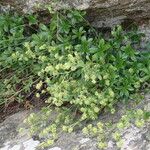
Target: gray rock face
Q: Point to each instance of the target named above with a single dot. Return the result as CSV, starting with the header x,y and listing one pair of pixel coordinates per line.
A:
x,y
101,13
133,138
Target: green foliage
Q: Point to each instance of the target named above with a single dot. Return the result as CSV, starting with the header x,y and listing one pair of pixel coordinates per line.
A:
x,y
89,73
78,72
106,130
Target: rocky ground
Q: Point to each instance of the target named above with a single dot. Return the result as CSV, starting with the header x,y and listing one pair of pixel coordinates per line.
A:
x,y
10,139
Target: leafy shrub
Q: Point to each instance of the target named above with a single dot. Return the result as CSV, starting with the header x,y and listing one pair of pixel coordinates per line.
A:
x,y
16,76
89,73
78,71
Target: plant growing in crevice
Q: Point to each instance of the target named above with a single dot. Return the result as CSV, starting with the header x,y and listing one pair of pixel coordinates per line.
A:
x,y
81,75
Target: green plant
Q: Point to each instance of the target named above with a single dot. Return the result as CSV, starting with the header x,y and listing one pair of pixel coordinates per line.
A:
x,y
89,74
16,76
80,74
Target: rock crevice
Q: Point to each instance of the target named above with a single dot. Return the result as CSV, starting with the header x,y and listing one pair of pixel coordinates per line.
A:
x,y
101,13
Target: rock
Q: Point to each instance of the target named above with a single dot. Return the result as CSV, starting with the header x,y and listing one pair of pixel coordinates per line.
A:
x,y
30,144
5,148
25,145
147,106
101,13
11,139
131,135
133,138
55,148
16,147
110,145
84,140
8,129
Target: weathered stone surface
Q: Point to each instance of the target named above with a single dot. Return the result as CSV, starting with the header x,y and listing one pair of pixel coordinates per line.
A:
x,y
8,129
134,138
55,148
101,13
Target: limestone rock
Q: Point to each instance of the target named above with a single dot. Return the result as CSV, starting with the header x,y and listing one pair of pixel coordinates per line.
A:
x,y
101,13
133,138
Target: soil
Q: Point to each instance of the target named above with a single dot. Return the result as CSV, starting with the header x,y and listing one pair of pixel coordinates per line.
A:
x,y
15,107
